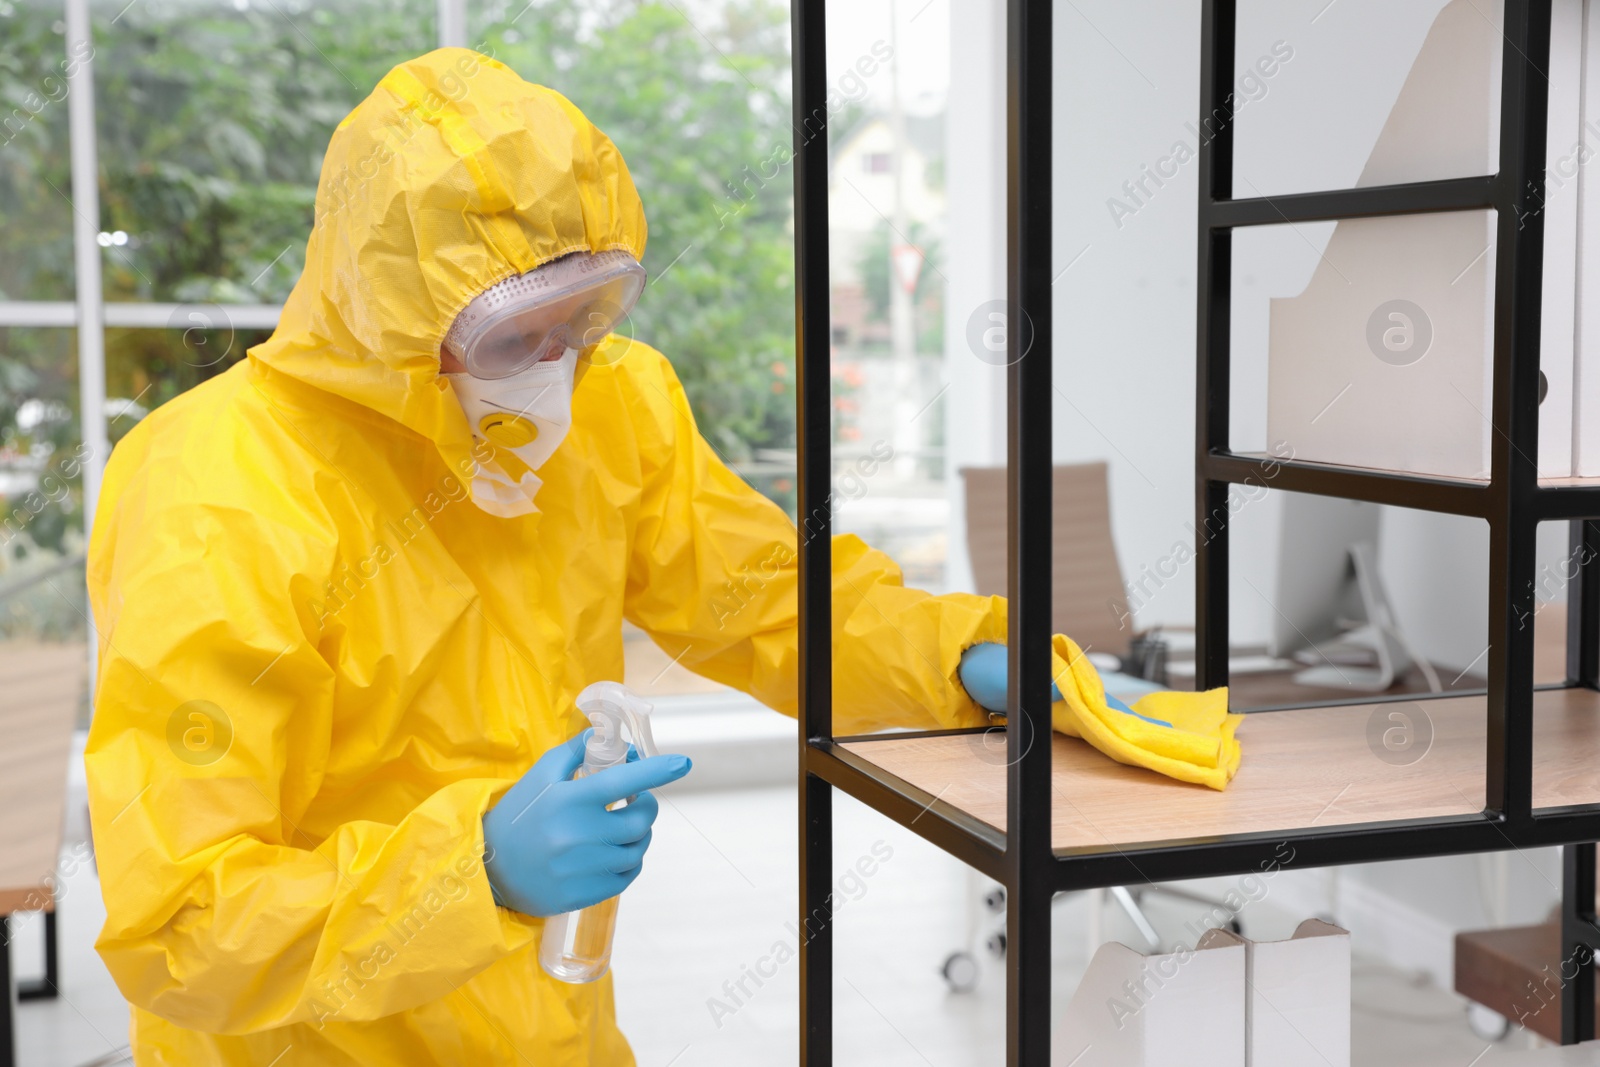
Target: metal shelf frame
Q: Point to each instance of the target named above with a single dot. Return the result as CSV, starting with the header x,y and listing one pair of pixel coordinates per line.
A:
x,y
1512,502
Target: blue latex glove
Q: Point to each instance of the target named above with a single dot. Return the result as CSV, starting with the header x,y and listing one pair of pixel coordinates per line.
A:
x,y
984,674
552,845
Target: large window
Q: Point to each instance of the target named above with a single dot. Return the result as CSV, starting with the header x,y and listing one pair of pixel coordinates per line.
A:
x,y
208,123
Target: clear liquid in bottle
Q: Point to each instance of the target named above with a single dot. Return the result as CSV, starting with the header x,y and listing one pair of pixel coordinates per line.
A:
x,y
577,945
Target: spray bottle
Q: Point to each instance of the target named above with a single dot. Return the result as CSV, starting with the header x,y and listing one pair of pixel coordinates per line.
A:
x,y
576,946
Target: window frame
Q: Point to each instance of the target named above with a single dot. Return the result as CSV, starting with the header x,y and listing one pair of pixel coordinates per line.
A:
x,y
88,312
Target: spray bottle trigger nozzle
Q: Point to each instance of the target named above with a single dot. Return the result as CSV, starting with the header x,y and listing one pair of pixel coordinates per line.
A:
x,y
611,706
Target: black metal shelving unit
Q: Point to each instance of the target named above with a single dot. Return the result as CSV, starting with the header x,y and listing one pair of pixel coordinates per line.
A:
x,y
1512,502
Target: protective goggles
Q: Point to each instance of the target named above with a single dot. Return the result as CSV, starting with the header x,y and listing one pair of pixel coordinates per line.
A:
x,y
571,302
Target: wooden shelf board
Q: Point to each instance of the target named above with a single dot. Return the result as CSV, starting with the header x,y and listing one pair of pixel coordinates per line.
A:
x,y
1263,457
1551,482
1305,768
1506,970
42,684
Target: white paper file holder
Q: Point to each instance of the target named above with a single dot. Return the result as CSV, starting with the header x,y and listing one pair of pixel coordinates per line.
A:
x,y
1228,1002
1137,1010
1297,997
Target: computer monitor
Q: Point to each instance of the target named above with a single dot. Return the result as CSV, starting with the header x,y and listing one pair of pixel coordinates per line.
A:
x,y
1331,607
1314,582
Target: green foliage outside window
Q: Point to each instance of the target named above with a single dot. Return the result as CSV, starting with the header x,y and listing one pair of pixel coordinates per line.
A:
x,y
212,119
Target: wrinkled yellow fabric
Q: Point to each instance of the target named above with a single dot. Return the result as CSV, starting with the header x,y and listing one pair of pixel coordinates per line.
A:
x,y
1198,746
320,663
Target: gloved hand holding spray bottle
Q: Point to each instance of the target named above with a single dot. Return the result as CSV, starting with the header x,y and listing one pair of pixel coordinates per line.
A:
x,y
571,835
576,946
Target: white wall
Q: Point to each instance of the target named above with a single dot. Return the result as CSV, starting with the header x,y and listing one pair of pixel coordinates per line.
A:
x,y
1127,85
1126,82
1126,99
975,402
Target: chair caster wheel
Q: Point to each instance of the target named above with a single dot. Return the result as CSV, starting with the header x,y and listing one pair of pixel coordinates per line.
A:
x,y
1487,1023
960,972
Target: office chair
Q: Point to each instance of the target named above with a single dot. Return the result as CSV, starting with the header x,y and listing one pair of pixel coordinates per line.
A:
x,y
1088,601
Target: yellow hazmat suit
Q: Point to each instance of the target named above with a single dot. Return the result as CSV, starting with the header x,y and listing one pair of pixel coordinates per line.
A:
x,y
321,663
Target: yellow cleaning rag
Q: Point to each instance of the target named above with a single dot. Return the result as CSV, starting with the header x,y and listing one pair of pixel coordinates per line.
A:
x,y
1187,736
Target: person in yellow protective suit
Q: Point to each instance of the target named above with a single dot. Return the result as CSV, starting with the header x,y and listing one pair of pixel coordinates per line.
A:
x,y
322,662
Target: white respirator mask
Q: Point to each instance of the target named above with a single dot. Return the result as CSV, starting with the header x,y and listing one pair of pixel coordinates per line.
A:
x,y
526,416
519,341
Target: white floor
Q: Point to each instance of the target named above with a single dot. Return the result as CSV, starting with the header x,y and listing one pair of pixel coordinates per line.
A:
x,y
713,910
